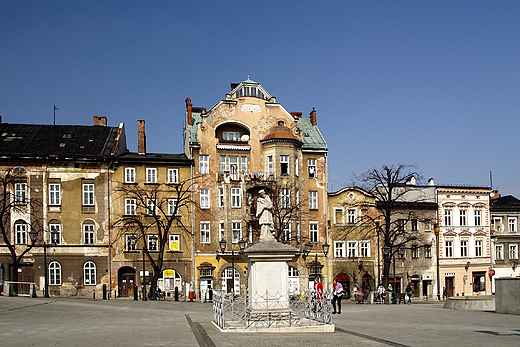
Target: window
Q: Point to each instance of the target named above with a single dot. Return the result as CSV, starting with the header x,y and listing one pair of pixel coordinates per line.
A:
x,y
464,248
152,242
512,225
221,197
415,251
478,217
427,251
499,252
129,175
513,254
449,249
173,176
130,206
89,273
339,249
56,229
223,164
364,248
311,164
21,233
415,224
313,200
236,231
313,232
235,197
54,194
351,249
204,164
221,230
478,248
173,208
204,198
54,273
351,216
338,215
88,234
20,193
230,136
284,164
497,223
447,217
233,167
270,165
151,207
401,254
463,219
286,232
88,194
296,167
285,198
204,232
151,175
131,242
243,164
293,272
174,243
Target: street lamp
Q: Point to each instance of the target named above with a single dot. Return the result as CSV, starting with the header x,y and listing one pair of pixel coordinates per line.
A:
x,y
242,245
437,231
308,247
34,236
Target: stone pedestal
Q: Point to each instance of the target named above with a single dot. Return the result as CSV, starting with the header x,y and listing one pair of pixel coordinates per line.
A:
x,y
268,274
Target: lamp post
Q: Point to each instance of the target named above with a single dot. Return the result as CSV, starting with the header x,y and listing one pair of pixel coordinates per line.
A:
x,y
437,231
308,247
242,245
34,236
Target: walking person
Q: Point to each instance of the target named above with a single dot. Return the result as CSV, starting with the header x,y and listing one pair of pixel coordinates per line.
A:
x,y
408,292
337,291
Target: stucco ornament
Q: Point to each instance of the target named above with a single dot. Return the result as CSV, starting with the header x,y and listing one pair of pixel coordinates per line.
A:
x,y
264,207
251,108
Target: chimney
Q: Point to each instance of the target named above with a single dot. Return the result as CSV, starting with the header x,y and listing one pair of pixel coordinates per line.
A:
x,y
234,85
100,120
141,137
296,115
314,121
189,115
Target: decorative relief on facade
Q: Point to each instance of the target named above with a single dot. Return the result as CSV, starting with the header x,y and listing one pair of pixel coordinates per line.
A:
x,y
251,108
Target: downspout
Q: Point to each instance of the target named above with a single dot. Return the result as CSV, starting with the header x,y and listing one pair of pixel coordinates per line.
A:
x,y
327,217
109,233
192,226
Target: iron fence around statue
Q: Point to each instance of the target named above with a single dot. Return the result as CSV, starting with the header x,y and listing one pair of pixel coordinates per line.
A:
x,y
244,311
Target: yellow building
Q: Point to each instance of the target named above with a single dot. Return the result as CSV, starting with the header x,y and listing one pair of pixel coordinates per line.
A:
x,y
354,245
245,143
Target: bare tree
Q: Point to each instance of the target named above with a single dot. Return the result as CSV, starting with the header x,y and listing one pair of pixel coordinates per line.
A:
x,y
397,200
159,209
16,201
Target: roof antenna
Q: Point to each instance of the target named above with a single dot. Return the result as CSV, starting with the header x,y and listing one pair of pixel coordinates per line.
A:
x,y
491,179
55,108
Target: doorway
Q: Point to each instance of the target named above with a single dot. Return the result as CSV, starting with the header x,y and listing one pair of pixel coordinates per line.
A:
x,y
449,285
126,281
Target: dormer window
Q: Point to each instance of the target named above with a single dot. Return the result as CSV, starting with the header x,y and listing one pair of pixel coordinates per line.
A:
x,y
230,136
281,123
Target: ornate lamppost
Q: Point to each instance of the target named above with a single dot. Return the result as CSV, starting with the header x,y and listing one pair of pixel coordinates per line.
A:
x,y
242,245
34,236
308,247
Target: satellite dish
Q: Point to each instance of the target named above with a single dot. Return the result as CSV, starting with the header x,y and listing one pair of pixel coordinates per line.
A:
x,y
245,138
492,194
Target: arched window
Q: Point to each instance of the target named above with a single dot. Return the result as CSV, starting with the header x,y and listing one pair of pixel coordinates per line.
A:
x,y
20,228
88,233
89,273
54,273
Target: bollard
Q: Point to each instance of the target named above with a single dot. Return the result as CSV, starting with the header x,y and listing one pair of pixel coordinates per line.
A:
x,y
93,294
135,293
176,294
104,291
115,294
210,294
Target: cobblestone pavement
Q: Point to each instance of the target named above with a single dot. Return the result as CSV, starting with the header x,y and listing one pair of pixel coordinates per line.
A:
x,y
84,322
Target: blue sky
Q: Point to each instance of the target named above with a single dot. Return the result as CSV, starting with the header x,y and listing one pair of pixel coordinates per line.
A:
x,y
430,83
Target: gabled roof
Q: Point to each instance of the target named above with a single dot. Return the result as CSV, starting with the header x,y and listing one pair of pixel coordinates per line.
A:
x,y
507,202
59,141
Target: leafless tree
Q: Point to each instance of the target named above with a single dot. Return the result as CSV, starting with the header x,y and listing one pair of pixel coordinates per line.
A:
x,y
18,202
159,209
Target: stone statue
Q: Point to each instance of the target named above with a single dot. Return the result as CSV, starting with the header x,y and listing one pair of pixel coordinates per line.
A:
x,y
264,207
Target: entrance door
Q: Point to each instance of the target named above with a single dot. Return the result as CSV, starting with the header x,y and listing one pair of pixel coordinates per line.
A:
x,y
479,282
449,286
127,285
205,285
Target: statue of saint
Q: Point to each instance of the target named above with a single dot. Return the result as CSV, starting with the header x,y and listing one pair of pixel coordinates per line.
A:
x,y
264,207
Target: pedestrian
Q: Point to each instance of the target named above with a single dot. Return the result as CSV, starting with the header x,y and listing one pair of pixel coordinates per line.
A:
x,y
381,293
408,292
158,293
337,291
318,287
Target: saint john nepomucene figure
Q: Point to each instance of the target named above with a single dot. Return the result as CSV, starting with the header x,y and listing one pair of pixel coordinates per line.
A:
x,y
264,207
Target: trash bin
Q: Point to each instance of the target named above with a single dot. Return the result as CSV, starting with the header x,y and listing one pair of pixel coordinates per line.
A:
x,y
360,297
1,289
191,295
